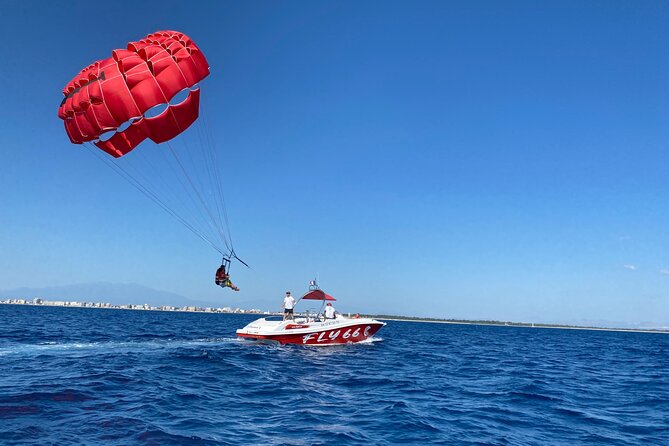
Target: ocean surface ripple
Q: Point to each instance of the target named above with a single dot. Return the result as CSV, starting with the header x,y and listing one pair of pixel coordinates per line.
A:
x,y
97,376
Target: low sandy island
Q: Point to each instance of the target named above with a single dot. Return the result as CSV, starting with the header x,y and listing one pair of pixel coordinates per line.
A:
x,y
519,324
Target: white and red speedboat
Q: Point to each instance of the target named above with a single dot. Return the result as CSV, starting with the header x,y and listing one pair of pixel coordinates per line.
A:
x,y
312,329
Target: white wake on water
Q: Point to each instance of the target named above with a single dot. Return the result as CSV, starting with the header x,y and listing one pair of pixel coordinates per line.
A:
x,y
55,348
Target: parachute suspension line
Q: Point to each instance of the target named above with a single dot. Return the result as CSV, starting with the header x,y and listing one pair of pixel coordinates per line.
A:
x,y
206,129
148,157
197,193
137,164
216,224
116,167
209,153
133,181
145,170
211,222
212,169
195,209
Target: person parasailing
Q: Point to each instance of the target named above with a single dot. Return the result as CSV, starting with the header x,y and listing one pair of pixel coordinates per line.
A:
x,y
222,278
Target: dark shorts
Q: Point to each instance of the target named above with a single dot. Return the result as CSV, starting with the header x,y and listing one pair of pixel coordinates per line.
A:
x,y
288,311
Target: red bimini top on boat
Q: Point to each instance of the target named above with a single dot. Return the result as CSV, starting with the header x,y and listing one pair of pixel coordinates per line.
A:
x,y
317,295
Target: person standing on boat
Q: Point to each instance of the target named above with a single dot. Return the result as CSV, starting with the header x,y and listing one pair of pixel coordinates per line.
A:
x,y
330,312
288,306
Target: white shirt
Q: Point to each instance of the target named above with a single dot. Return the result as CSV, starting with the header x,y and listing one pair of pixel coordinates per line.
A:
x,y
329,312
288,302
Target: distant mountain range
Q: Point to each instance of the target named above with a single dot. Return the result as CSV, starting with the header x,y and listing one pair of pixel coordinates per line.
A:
x,y
114,293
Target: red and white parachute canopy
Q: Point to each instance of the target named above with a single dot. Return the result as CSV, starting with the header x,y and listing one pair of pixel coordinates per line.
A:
x,y
150,90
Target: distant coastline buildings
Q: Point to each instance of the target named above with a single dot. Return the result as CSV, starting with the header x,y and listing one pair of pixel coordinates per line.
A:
x,y
37,301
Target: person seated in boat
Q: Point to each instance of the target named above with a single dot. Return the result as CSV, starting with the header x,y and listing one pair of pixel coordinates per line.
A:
x,y
223,278
288,306
329,312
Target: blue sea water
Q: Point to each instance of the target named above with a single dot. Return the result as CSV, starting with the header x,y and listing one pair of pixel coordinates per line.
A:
x,y
96,376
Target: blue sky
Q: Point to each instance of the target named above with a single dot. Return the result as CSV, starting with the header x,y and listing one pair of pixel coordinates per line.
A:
x,y
474,159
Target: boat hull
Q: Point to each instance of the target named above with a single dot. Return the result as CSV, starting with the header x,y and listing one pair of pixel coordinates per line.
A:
x,y
320,333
